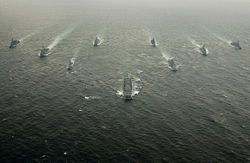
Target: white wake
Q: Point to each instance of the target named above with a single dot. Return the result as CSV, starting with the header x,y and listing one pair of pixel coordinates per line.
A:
x,y
59,38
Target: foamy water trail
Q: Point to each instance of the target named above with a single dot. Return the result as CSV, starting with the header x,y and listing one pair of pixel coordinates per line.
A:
x,y
207,51
92,97
76,52
72,60
101,41
27,36
195,43
22,39
165,55
75,55
59,38
222,39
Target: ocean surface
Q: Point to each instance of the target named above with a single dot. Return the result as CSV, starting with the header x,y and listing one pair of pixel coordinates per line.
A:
x,y
201,113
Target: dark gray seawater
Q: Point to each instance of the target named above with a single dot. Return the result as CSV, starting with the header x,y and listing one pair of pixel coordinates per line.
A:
x,y
200,113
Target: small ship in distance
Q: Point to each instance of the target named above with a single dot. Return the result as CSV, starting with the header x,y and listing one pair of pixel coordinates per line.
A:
x,y
97,41
203,50
44,52
71,63
172,65
13,43
153,42
236,44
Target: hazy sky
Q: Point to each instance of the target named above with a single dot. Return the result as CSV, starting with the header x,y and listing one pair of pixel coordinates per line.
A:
x,y
163,3
179,7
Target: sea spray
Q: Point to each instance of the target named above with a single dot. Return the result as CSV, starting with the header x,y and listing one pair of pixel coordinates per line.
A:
x,y
137,86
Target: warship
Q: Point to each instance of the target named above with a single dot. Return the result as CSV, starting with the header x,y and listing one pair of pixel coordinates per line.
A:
x,y
127,88
14,43
171,64
203,50
44,52
71,63
97,41
236,44
153,42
